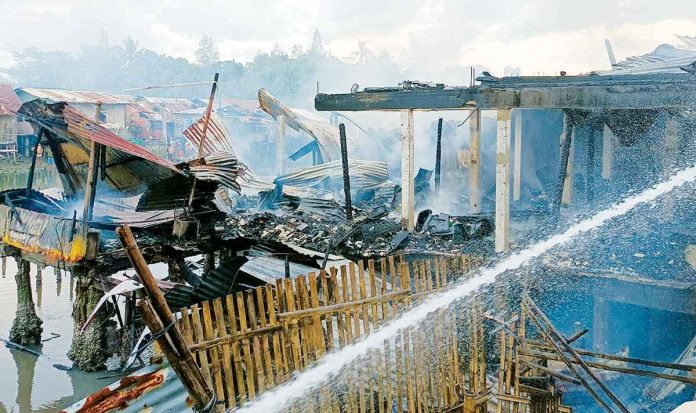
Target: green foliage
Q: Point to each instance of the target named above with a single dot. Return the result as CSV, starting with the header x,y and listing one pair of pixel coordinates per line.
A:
x,y
291,76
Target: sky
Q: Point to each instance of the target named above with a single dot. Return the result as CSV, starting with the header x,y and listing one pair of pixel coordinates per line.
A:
x,y
426,37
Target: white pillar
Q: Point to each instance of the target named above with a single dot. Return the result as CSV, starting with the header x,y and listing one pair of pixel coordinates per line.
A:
x,y
407,170
517,164
475,161
502,180
280,146
607,152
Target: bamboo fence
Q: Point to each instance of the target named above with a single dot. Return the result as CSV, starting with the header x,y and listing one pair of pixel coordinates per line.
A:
x,y
251,341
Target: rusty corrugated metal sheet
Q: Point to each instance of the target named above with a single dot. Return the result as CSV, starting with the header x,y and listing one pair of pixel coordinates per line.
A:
x,y
151,389
9,101
42,234
83,127
129,167
74,96
217,136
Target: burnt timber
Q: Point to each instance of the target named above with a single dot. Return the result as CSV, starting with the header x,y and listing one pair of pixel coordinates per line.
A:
x,y
585,92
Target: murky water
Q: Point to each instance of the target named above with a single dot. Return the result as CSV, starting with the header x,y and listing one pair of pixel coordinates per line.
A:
x,y
29,383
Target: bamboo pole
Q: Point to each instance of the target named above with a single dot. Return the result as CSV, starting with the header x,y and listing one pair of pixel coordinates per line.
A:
x,y
206,121
161,309
186,371
91,185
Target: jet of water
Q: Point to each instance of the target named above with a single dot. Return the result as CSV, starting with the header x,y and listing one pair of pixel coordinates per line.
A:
x,y
329,366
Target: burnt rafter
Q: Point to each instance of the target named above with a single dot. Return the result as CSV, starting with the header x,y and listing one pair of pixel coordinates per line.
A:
x,y
645,91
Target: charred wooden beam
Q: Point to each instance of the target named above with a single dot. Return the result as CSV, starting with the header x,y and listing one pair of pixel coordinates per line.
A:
x,y
656,90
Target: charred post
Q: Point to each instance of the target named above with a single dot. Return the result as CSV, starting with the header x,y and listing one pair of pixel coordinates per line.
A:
x,y
438,155
87,350
346,172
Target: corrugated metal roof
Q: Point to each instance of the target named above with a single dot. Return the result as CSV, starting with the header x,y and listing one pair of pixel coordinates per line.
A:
x,y
665,58
171,105
325,134
129,167
9,101
363,174
74,96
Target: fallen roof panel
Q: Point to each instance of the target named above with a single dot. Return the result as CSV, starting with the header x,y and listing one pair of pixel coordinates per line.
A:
x,y
73,96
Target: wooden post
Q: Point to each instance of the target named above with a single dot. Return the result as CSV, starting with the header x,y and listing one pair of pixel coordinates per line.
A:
x,y
32,167
568,181
563,168
407,170
502,191
206,121
346,172
607,152
280,146
475,163
438,155
517,163
91,185
161,309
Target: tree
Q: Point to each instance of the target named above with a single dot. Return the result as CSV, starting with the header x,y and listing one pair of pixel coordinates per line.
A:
x,y
207,53
317,47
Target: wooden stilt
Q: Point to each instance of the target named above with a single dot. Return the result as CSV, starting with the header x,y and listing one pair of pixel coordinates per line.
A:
x,y
566,141
517,163
475,162
407,170
568,181
502,191
91,185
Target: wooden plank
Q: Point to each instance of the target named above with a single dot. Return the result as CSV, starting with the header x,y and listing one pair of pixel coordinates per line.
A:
x,y
384,277
318,331
277,349
231,399
502,194
328,300
517,162
346,298
363,296
265,346
373,294
407,170
636,91
294,341
256,355
306,341
203,362
354,297
209,333
236,355
337,298
246,347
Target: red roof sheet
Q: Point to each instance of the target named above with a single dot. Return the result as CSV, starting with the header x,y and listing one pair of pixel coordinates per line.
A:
x,y
9,101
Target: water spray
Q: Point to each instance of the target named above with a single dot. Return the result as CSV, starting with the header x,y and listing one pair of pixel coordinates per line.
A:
x,y
281,397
